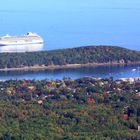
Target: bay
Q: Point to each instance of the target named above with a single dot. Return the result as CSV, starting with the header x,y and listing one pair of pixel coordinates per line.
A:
x,y
116,72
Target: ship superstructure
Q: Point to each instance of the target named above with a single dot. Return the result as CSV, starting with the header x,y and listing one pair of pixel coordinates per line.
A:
x,y
29,38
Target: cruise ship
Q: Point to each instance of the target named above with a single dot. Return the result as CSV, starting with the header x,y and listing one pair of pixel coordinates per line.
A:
x,y
29,38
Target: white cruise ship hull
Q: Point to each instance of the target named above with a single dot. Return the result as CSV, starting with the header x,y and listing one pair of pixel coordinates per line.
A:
x,y
20,43
21,48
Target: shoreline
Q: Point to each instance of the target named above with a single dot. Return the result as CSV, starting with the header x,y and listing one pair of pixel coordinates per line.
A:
x,y
67,66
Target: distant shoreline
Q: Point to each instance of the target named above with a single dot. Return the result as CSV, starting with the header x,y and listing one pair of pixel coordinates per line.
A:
x,y
53,67
69,58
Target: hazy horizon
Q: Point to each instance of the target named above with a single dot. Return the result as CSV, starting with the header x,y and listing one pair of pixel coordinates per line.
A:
x,y
66,24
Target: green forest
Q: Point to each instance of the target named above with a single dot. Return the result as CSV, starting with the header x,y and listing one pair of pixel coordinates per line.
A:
x,y
81,55
83,109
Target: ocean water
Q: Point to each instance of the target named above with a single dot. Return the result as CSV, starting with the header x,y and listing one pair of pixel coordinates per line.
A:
x,y
74,23
116,72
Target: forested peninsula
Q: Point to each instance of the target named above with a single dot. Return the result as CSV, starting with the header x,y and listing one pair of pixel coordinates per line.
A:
x,y
73,57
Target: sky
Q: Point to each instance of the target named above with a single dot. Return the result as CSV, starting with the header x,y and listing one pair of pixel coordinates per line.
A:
x,y
62,4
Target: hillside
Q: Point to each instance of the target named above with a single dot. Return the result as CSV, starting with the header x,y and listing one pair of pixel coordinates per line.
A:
x,y
81,55
81,109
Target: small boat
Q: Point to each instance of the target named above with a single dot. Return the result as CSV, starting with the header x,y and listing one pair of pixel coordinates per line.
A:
x,y
134,70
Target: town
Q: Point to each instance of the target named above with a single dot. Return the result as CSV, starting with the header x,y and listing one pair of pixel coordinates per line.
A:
x,y
87,107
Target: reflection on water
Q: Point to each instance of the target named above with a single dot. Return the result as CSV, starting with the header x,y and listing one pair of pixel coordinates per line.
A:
x,y
117,71
21,48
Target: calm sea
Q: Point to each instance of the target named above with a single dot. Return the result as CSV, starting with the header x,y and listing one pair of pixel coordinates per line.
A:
x,y
74,23
101,71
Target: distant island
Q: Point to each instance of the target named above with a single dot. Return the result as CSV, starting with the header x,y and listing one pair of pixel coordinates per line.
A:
x,y
72,57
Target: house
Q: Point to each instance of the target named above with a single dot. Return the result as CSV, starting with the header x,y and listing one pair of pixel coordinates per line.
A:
x,y
130,80
91,100
137,80
31,88
125,116
139,128
40,102
138,94
118,82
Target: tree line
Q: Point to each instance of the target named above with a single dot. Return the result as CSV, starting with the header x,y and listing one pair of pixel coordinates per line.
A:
x,y
81,55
